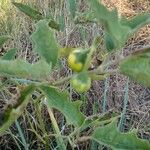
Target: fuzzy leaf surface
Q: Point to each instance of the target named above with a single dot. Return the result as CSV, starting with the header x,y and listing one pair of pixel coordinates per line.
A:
x,y
137,67
137,22
59,100
10,54
44,42
72,7
110,136
116,33
22,69
34,14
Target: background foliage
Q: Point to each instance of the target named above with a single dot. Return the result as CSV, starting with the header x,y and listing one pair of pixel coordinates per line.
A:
x,y
104,95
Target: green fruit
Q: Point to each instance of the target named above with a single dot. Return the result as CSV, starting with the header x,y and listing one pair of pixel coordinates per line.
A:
x,y
77,59
81,82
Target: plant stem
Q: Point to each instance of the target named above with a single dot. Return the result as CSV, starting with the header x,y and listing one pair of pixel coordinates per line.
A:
x,y
42,126
33,129
61,81
88,60
95,71
83,139
113,62
104,103
59,139
21,135
122,119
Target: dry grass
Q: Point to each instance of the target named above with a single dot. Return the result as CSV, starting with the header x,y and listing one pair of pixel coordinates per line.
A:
x,y
139,100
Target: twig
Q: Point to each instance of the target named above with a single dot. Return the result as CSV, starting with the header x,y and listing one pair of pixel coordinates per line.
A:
x,y
83,139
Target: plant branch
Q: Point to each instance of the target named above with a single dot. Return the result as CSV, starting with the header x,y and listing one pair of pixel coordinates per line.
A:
x,y
83,139
61,81
60,141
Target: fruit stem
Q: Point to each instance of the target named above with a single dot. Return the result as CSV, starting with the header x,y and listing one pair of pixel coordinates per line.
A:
x,y
89,56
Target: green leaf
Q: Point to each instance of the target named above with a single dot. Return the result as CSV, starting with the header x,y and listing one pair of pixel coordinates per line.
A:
x,y
45,43
34,14
72,7
10,54
117,32
97,121
61,20
110,136
22,69
71,110
137,22
54,25
3,39
137,67
110,45
11,114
